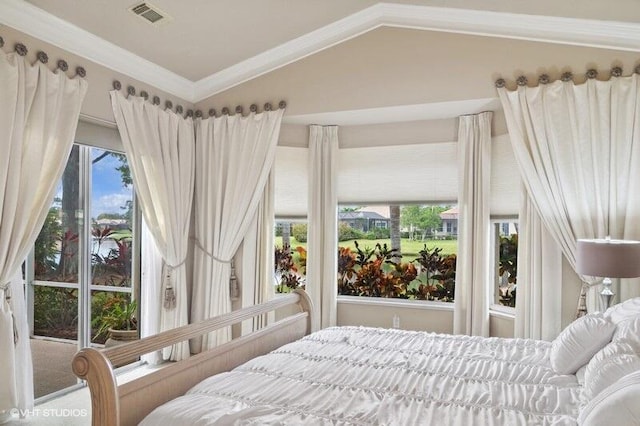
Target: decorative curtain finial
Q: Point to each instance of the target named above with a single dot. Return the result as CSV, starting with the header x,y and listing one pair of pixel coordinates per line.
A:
x,y
81,72
131,90
225,111
500,83
566,76
212,112
21,49
592,73
282,105
62,65
543,79
267,106
42,57
198,114
616,71
521,81
117,85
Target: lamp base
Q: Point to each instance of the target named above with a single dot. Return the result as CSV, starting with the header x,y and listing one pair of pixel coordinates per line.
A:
x,y
606,295
582,301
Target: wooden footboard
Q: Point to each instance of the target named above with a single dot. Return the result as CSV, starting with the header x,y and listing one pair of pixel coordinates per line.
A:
x,y
129,403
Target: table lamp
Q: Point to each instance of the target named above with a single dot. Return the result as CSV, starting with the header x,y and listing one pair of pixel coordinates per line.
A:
x,y
607,258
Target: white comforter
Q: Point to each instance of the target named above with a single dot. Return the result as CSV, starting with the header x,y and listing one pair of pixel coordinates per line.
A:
x,y
366,376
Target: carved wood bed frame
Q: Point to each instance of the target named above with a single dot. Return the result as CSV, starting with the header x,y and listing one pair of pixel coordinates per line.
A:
x,y
130,402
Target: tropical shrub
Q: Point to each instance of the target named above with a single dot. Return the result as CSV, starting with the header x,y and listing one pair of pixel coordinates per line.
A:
x,y
508,269
55,312
437,275
346,232
378,234
375,273
299,232
290,268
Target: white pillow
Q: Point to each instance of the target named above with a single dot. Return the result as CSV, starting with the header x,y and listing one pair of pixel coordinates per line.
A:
x,y
618,405
610,364
580,341
628,331
628,309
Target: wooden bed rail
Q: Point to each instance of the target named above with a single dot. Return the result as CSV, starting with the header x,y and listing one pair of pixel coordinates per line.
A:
x,y
114,405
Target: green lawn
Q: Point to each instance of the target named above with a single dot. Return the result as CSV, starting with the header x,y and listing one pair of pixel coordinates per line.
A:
x,y
409,248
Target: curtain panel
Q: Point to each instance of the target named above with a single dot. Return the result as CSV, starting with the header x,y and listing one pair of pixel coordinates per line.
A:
x,y
322,258
160,147
39,112
539,295
471,311
578,150
234,156
256,259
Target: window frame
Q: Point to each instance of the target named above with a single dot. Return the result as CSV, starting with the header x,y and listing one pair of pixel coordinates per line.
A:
x,y
496,308
85,286
424,304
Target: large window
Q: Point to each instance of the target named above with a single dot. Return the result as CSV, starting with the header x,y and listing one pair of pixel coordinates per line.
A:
x,y
81,268
290,271
411,256
505,243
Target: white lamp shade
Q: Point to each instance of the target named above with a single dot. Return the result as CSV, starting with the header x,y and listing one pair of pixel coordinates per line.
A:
x,y
608,258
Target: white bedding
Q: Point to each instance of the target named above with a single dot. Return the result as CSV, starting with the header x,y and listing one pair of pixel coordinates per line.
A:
x,y
357,375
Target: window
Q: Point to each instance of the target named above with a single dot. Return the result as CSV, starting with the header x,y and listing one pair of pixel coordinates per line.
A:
x,y
422,268
505,243
290,255
81,266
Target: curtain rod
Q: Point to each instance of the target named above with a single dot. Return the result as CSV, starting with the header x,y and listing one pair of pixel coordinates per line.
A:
x,y
565,76
131,91
62,65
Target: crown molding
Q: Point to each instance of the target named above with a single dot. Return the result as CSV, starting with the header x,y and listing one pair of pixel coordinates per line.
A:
x,y
27,18
573,31
32,20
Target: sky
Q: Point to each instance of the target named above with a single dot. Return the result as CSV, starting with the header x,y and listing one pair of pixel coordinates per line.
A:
x,y
108,193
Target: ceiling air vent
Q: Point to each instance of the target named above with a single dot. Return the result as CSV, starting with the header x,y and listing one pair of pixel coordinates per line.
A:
x,y
150,13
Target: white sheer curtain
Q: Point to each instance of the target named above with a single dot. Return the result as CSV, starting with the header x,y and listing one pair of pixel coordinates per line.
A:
x,y
150,291
257,260
234,156
577,147
539,295
160,147
471,311
39,113
322,252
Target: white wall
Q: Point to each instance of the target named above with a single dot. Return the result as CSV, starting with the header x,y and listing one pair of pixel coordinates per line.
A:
x,y
500,325
436,317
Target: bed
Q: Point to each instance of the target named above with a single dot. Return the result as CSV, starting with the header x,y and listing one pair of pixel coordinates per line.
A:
x,y
364,376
